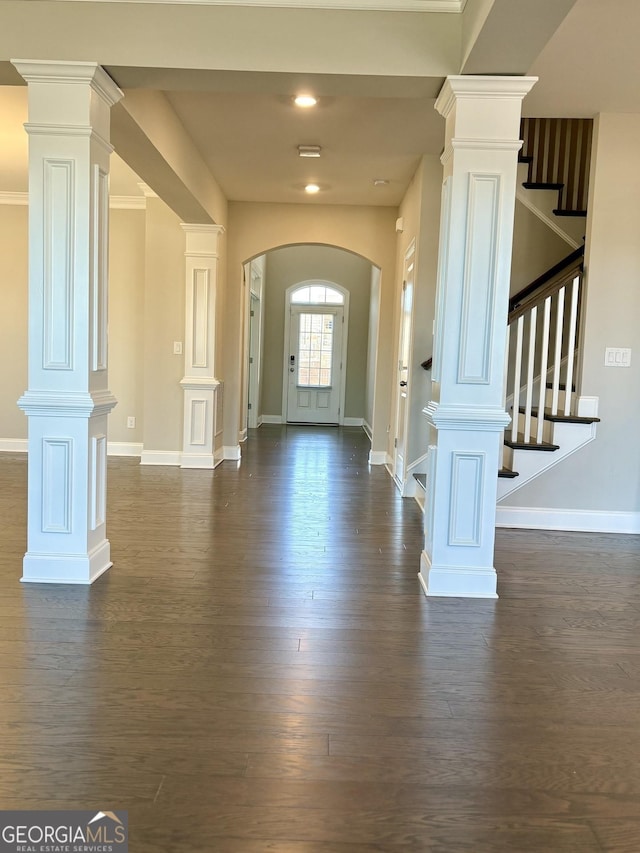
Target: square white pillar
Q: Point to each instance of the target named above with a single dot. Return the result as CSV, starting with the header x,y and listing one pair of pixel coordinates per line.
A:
x,y
68,399
200,386
467,412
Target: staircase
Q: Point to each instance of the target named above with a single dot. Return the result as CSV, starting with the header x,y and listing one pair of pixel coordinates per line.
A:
x,y
549,420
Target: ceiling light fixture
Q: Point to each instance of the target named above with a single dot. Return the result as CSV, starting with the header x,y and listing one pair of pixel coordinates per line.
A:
x,y
312,188
309,150
380,182
305,101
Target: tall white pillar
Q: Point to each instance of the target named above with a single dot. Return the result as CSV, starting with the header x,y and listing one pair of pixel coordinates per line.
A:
x,y
68,397
201,388
467,413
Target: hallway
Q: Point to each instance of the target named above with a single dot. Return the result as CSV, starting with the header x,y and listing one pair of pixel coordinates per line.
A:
x,y
259,671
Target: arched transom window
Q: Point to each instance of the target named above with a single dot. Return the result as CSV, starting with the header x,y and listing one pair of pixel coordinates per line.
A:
x,y
317,294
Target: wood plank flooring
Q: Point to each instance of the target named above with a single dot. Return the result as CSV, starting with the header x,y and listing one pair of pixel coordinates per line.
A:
x,y
259,671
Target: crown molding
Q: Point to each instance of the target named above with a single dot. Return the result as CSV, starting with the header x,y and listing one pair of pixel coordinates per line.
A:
x,y
441,6
14,198
481,86
145,189
116,202
83,73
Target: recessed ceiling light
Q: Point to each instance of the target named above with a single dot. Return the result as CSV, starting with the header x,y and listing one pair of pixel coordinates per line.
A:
x,y
380,182
305,101
309,150
312,188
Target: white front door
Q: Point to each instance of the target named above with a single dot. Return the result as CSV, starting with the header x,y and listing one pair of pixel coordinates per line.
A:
x,y
406,309
314,364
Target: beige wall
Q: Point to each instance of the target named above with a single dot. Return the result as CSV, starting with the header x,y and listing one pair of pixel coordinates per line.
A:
x,y
13,318
286,267
256,228
536,248
126,322
163,324
605,475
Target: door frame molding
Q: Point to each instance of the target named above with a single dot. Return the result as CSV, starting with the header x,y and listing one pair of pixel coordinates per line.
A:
x,y
409,257
287,333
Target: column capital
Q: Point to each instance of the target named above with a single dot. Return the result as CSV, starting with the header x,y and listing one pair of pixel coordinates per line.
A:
x,y
461,87
84,73
201,241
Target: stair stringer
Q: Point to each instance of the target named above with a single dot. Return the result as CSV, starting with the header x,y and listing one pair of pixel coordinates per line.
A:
x,y
532,463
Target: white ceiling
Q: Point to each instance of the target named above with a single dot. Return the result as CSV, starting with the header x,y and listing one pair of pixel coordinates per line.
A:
x,y
246,129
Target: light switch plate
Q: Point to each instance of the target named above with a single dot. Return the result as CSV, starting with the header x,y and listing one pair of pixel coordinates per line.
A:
x,y
177,347
617,357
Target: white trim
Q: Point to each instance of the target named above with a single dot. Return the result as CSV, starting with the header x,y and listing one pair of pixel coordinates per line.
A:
x,y
146,190
359,422
197,461
441,6
218,456
116,202
242,437
14,445
366,426
123,448
14,198
232,452
379,457
271,419
161,457
127,202
584,520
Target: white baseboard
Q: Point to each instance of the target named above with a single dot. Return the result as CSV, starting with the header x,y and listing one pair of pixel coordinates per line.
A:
x,y
114,448
14,445
353,422
161,457
122,448
367,428
243,435
379,457
232,452
218,456
581,520
272,419
260,421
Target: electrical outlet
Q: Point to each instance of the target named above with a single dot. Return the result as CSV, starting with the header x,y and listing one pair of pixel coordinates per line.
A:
x,y
177,347
131,422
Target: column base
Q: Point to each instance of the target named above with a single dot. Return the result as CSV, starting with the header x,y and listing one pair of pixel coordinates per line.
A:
x,y
67,568
199,460
456,581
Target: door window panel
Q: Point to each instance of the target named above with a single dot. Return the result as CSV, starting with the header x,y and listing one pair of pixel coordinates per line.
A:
x,y
315,346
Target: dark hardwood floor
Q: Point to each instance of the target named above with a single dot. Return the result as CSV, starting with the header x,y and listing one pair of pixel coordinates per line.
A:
x,y
259,670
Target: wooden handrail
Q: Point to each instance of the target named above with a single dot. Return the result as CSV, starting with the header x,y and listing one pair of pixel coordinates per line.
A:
x,y
546,284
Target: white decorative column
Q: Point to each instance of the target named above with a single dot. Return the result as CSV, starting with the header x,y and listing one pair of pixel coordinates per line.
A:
x,y
68,398
200,385
467,410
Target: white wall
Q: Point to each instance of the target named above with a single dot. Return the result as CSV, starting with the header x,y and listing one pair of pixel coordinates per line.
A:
x,y
372,346
605,475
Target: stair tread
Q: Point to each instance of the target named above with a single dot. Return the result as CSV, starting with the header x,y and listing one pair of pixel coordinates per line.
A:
x,y
521,444
541,185
560,417
559,212
421,479
507,473
561,386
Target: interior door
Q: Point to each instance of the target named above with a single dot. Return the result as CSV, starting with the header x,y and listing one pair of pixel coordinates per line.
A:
x,y
314,364
254,361
406,308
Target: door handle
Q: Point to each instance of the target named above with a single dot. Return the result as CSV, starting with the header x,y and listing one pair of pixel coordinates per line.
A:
x,y
292,370
403,384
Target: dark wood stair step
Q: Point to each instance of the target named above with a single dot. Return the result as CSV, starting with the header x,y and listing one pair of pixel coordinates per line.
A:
x,y
521,444
507,473
559,212
560,418
561,386
421,480
538,185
